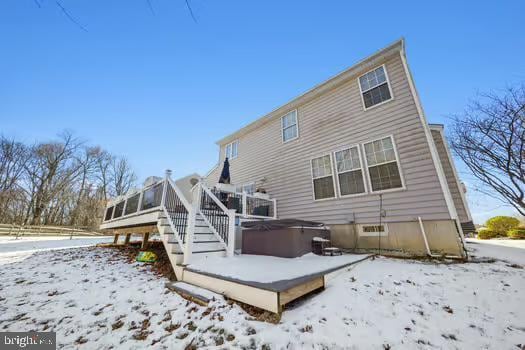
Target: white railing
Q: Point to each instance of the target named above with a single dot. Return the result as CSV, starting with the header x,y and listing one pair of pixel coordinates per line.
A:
x,y
146,200
165,196
177,211
217,216
246,205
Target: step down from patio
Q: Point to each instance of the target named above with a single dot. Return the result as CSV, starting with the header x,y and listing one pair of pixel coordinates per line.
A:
x,y
196,294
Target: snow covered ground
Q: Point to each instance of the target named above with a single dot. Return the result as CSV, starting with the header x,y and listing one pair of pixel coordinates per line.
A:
x,y
93,299
505,249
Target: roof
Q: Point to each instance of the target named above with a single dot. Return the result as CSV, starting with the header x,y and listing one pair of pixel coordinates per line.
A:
x,y
350,73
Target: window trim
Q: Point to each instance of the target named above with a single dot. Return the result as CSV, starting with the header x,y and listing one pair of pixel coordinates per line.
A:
x,y
361,233
296,125
362,92
403,184
230,156
362,172
312,177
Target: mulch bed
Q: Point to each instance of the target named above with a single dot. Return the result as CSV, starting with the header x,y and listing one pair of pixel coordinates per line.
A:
x,y
161,267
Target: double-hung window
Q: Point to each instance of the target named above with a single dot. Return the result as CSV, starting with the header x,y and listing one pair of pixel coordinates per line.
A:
x,y
290,130
375,88
383,165
322,177
349,171
232,150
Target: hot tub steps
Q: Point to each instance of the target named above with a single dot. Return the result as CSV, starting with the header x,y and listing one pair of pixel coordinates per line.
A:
x,y
193,293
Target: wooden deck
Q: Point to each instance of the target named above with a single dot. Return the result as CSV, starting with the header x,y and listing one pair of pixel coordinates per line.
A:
x,y
272,296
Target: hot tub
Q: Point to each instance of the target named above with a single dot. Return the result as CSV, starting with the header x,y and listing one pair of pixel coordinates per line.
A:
x,y
287,238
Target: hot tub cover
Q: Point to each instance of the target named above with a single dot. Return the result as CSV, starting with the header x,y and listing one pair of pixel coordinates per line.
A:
x,y
268,225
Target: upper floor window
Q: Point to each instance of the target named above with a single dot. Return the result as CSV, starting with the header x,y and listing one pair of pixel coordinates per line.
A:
x,y
382,163
375,87
349,171
290,131
232,149
323,180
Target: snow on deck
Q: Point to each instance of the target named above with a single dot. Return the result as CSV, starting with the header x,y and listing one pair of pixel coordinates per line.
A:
x,y
270,272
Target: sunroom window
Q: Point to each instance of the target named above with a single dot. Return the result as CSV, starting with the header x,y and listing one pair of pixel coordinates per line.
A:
x,y
349,171
322,177
375,88
383,166
290,131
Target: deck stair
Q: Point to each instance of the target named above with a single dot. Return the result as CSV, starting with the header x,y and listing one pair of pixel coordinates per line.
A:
x,y
196,294
205,242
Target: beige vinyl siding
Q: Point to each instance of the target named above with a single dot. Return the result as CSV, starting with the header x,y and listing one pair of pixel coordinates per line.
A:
x,y
452,181
330,122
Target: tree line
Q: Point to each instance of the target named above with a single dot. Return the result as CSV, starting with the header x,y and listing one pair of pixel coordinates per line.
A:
x,y
61,182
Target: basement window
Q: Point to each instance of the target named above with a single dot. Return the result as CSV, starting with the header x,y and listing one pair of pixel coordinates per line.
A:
x,y
375,87
373,230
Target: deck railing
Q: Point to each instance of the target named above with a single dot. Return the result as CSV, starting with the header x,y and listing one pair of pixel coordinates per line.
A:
x,y
217,207
177,209
220,219
148,198
247,205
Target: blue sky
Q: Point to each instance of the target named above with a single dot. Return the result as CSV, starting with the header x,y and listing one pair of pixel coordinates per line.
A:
x,y
160,89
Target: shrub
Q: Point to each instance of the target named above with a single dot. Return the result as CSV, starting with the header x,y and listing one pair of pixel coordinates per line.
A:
x,y
485,233
502,224
516,233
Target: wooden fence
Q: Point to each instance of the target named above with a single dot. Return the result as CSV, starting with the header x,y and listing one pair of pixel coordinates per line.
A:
x,y
45,230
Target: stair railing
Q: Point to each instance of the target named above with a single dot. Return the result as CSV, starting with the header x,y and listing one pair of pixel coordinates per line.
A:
x,y
177,210
217,216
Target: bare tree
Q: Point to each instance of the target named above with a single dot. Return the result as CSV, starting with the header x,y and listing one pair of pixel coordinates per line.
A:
x,y
122,176
13,158
490,139
103,173
59,182
50,170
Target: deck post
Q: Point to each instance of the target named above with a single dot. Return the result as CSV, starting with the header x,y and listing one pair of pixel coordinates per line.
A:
x,y
231,233
115,240
165,187
274,208
128,237
145,238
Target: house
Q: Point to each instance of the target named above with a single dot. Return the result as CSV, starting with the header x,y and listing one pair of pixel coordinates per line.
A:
x,y
357,153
